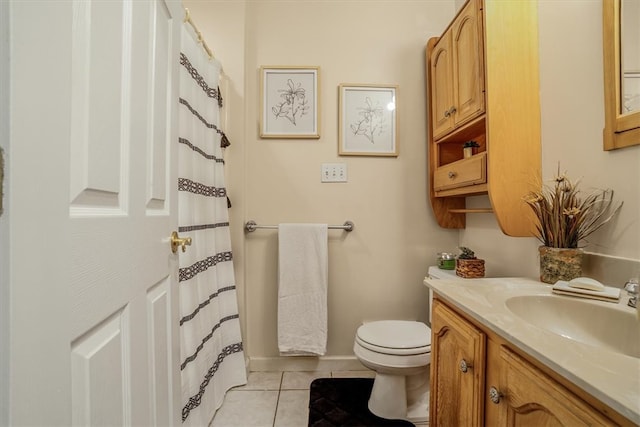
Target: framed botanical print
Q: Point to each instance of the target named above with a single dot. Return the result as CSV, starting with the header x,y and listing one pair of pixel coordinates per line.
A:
x,y
290,102
367,120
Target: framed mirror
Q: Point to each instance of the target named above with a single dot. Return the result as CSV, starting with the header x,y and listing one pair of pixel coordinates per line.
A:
x,y
621,49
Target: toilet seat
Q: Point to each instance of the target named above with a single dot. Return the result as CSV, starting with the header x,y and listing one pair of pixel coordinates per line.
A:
x,y
395,337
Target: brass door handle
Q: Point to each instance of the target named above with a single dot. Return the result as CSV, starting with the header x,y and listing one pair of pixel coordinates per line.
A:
x,y
178,241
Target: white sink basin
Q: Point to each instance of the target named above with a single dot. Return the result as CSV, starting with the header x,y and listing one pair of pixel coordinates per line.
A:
x,y
595,323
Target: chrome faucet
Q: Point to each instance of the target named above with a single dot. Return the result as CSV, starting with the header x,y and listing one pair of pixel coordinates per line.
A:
x,y
632,290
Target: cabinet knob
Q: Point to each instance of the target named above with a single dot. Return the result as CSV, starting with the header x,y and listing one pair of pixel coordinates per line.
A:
x,y
464,366
452,174
450,111
495,395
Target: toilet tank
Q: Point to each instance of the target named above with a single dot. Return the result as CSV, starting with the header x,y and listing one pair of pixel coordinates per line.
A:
x,y
440,274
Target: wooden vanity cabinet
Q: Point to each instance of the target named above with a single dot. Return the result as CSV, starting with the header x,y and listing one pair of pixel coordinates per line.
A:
x,y
498,386
525,396
457,370
483,85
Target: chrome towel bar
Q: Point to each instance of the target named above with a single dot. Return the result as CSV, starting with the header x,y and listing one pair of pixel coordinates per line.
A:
x,y
252,226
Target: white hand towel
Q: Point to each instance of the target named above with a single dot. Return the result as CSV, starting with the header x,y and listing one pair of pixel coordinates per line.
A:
x,y
302,289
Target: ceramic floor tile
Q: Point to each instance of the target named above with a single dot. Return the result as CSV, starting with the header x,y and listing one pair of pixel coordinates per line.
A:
x,y
301,380
247,408
262,381
353,374
293,408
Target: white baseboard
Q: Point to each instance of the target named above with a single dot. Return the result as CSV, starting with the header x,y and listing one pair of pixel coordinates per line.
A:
x,y
305,363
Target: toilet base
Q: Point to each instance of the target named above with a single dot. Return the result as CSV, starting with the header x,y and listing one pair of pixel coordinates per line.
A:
x,y
399,397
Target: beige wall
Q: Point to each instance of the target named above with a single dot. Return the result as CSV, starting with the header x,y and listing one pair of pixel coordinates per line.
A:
x,y
572,107
376,271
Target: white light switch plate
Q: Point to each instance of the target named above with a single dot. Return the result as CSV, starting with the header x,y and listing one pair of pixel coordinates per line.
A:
x,y
334,172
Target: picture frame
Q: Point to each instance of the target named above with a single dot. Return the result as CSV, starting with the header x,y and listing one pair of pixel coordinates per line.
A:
x,y
289,102
367,120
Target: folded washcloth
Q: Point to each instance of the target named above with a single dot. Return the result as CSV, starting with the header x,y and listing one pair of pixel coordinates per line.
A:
x,y
606,294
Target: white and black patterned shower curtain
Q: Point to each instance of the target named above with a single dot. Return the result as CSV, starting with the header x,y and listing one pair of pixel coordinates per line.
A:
x,y
211,351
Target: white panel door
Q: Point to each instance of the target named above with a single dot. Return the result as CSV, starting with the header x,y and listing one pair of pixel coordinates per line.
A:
x,y
94,331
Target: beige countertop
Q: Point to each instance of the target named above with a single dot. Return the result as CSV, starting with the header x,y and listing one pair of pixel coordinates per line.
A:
x,y
609,376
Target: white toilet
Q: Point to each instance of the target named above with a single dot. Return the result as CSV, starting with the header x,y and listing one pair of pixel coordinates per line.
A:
x,y
399,351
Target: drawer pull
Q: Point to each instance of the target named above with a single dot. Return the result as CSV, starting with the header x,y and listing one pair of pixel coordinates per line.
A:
x,y
464,366
452,175
495,395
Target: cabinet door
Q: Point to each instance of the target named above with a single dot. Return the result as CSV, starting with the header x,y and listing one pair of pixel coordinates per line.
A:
x,y
441,86
531,398
457,370
468,64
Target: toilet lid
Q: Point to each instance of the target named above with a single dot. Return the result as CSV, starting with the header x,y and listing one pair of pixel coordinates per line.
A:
x,y
395,334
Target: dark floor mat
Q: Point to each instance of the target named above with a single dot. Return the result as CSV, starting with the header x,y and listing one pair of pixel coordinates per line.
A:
x,y
342,402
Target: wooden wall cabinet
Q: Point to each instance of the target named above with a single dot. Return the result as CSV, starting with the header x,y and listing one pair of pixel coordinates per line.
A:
x,y
458,72
498,387
483,85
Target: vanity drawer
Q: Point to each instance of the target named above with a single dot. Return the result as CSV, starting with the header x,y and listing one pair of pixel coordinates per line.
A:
x,y
462,173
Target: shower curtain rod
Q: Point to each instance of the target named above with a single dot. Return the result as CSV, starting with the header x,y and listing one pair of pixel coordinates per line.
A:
x,y
252,226
187,19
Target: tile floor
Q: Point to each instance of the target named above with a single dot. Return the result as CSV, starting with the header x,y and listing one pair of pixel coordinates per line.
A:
x,y
273,399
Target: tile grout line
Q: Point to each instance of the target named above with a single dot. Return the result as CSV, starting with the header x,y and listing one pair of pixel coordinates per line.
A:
x,y
275,413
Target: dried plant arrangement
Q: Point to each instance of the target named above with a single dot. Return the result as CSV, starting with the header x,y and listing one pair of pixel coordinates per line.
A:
x,y
565,216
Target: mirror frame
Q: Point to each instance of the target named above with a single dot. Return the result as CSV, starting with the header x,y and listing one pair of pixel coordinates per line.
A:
x,y
620,130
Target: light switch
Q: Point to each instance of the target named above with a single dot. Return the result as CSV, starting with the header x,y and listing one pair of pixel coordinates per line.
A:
x,y
334,172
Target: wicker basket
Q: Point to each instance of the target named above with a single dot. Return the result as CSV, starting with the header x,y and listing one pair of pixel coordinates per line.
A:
x,y
470,268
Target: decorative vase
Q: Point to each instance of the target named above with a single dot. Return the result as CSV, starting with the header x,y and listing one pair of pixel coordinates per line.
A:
x,y
467,152
559,264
